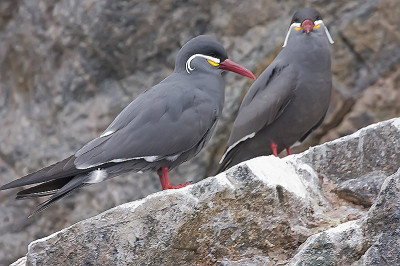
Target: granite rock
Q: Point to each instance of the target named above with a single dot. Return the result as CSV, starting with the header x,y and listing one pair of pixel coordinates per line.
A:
x,y
371,240
265,211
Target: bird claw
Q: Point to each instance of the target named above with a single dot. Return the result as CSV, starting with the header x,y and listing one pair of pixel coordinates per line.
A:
x,y
169,186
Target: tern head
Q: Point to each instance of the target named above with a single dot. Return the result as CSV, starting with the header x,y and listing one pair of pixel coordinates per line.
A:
x,y
204,53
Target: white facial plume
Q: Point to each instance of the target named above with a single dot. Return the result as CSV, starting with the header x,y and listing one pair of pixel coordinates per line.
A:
x,y
317,22
189,61
320,22
290,30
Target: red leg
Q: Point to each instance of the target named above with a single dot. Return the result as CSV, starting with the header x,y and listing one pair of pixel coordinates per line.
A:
x,y
288,151
162,181
274,149
165,180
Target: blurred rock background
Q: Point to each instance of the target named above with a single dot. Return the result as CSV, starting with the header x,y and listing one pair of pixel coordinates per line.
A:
x,y
67,68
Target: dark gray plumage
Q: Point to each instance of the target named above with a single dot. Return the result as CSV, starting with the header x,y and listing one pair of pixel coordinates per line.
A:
x,y
162,128
290,98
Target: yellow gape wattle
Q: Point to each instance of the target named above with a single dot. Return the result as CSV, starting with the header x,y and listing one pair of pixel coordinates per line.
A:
x,y
212,62
315,26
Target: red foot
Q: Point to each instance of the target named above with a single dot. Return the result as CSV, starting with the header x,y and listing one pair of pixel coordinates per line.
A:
x,y
169,186
164,180
274,149
288,151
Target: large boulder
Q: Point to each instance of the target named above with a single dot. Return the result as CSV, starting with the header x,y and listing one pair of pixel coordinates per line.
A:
x,y
266,211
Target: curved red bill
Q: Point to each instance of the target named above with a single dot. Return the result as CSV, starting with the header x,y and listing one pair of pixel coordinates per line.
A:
x,y
307,25
229,65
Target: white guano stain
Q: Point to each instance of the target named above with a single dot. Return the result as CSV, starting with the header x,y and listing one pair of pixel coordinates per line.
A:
x,y
274,171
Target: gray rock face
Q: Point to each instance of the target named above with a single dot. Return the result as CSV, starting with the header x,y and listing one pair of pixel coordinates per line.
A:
x,y
67,68
362,190
266,211
371,240
19,262
341,245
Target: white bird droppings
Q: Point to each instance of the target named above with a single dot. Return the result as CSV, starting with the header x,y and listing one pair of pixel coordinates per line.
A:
x,y
396,123
275,171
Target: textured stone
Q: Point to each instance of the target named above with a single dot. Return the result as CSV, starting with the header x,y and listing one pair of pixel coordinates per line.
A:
x,y
362,190
266,211
379,102
19,262
371,240
220,217
341,245
68,67
373,149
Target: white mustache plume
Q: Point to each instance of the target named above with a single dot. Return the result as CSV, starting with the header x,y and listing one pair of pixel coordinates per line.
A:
x,y
318,22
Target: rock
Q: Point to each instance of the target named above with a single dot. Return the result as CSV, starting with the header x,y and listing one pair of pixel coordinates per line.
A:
x,y
267,211
379,102
203,223
341,245
382,226
372,240
20,262
67,68
362,190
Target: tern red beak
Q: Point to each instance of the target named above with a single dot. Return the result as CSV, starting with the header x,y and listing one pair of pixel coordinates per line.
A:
x,y
229,65
307,25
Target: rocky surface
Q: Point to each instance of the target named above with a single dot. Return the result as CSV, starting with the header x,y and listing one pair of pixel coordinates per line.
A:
x,y
371,240
266,211
68,67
